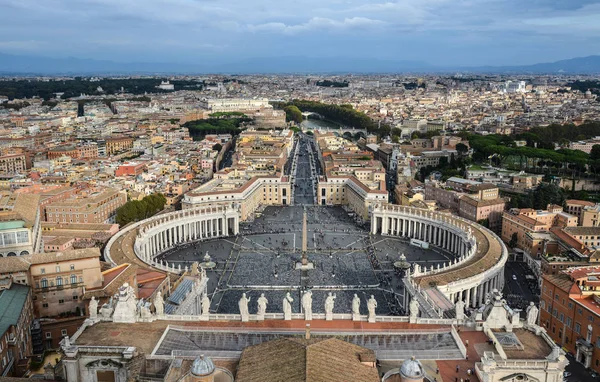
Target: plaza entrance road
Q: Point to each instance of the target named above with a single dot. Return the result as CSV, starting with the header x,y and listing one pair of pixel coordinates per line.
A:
x,y
304,181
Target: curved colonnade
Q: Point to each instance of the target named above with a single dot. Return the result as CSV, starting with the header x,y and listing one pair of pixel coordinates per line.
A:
x,y
480,255
476,270
158,234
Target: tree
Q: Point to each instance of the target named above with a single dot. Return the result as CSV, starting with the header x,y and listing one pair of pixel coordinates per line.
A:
x,y
217,147
514,239
595,153
136,210
548,193
292,113
462,149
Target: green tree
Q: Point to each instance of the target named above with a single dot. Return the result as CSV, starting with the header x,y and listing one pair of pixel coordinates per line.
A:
x,y
462,149
217,147
514,240
292,113
136,210
595,153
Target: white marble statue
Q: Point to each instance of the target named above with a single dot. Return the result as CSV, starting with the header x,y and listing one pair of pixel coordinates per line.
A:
x,y
459,309
159,304
287,306
145,310
205,302
126,306
262,306
93,308
307,305
356,308
329,304
243,305
371,305
414,308
532,314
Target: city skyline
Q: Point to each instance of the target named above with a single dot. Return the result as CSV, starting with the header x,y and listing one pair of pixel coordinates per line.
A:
x,y
432,32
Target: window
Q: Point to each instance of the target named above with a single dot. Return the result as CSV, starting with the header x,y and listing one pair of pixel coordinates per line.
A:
x,y
561,317
568,323
570,305
579,311
555,313
48,335
75,297
44,283
43,271
59,281
61,301
58,268
542,304
577,328
72,267
73,279
63,332
45,305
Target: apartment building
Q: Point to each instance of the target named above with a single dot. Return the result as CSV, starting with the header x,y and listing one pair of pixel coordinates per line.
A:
x,y
116,145
13,164
20,224
576,207
16,316
570,312
98,207
234,104
233,188
59,280
523,224
590,216
130,169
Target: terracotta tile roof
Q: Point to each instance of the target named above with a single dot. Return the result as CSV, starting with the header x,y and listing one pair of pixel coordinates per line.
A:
x,y
74,254
13,264
590,231
560,280
110,287
297,359
580,202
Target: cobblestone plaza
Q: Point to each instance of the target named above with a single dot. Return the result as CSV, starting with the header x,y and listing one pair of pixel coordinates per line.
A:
x,y
346,259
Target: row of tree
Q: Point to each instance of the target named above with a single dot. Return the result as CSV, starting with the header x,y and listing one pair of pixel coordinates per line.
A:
x,y
343,114
73,88
200,128
136,210
501,150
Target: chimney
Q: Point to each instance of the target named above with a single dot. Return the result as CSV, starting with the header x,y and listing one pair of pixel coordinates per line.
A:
x,y
307,332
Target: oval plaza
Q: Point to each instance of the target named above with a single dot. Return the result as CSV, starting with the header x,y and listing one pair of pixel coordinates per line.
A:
x,y
271,266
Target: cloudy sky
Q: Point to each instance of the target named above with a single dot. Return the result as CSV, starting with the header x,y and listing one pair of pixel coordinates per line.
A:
x,y
439,32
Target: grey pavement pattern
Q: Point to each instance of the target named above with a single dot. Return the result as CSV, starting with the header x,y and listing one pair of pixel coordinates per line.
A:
x,y
346,260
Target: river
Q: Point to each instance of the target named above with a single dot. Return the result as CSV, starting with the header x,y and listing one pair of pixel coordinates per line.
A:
x,y
318,124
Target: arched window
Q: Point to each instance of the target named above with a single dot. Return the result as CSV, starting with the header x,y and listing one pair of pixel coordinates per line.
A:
x,y
44,283
59,281
73,279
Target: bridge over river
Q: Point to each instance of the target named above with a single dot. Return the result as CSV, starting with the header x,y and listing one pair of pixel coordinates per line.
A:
x,y
322,125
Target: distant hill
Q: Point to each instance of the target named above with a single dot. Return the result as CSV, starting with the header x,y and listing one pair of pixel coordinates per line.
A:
x,y
21,65
578,65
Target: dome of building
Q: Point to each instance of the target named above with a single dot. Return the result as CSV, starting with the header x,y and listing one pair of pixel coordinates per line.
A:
x,y
203,366
412,369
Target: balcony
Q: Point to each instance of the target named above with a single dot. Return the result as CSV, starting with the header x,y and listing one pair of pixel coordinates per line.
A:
x,y
58,287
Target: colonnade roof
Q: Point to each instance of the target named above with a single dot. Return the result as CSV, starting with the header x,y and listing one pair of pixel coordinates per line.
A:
x,y
489,252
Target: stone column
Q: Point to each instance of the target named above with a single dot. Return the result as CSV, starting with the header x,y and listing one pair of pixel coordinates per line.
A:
x,y
475,301
468,299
